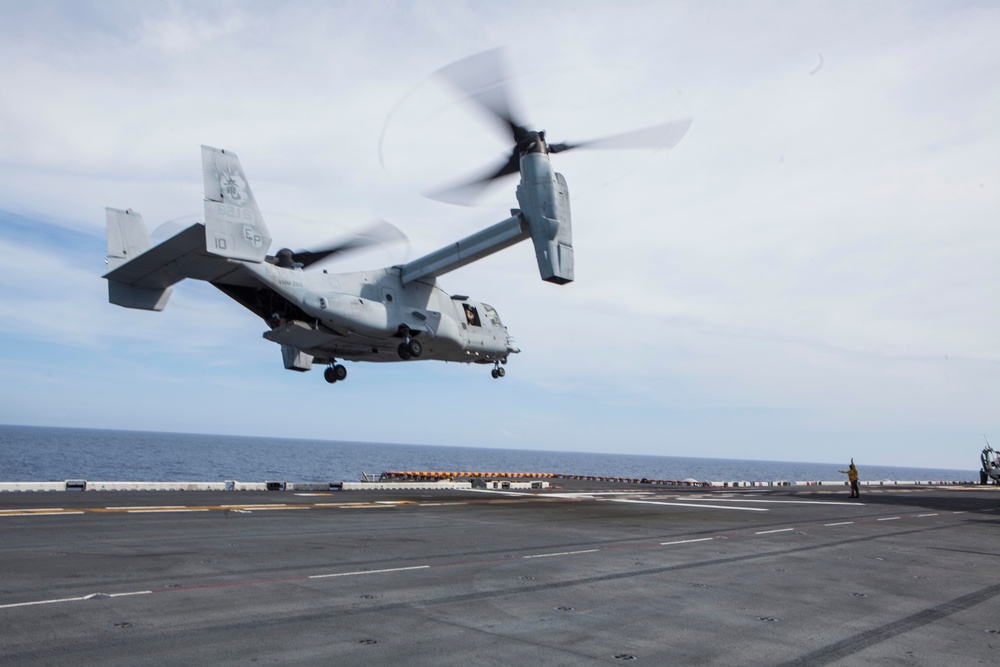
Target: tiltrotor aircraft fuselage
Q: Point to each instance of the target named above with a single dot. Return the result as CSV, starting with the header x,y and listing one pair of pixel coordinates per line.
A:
x,y
397,313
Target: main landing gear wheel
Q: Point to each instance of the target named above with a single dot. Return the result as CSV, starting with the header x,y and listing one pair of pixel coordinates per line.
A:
x,y
410,349
497,371
334,373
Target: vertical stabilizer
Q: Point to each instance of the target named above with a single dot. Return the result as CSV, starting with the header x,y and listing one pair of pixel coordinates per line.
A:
x,y
127,236
234,226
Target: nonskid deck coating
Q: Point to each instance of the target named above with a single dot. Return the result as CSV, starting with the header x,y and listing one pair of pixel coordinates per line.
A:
x,y
589,574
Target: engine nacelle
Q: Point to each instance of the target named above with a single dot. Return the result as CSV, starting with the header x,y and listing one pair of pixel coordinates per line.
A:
x,y
544,199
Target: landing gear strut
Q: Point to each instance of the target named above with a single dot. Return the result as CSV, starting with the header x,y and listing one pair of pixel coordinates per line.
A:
x,y
335,372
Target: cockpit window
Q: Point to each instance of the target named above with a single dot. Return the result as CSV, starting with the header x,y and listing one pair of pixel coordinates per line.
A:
x,y
492,315
471,315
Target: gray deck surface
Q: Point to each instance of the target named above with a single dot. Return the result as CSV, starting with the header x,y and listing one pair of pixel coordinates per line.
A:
x,y
786,576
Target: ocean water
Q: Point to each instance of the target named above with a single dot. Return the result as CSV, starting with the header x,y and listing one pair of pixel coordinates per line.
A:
x,y
29,453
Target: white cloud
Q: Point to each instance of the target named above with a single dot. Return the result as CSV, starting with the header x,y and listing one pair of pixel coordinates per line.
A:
x,y
821,245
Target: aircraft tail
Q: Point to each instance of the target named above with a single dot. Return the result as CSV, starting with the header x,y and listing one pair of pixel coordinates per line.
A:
x,y
128,238
234,227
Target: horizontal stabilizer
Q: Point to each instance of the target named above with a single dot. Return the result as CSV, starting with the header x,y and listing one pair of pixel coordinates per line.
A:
x,y
133,296
161,266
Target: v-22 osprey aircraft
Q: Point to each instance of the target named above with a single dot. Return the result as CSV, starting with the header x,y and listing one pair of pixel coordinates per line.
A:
x,y
397,313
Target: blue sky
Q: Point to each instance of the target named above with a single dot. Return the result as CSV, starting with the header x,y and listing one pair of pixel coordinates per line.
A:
x,y
809,275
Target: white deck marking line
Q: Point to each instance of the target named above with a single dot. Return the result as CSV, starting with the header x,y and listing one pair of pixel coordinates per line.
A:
x,y
768,532
786,502
79,599
840,523
700,539
125,595
657,502
923,515
251,508
148,507
595,494
889,518
563,553
351,574
164,511
438,504
261,505
962,512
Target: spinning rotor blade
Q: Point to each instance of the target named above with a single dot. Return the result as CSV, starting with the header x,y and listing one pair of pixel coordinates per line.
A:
x,y
665,135
466,193
380,233
483,80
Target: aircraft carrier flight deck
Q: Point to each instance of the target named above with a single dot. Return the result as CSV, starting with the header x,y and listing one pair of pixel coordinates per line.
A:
x,y
592,573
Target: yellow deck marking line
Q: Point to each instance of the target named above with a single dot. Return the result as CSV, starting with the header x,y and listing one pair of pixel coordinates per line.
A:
x,y
40,509
40,513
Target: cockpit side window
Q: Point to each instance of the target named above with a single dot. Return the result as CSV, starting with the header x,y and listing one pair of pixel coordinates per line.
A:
x,y
471,315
